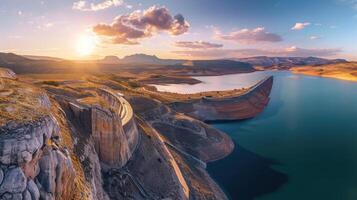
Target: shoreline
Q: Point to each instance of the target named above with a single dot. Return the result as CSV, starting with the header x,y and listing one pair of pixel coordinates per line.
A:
x,y
345,71
341,78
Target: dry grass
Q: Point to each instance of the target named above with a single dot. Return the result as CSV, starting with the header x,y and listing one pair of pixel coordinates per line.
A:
x,y
19,102
343,71
52,77
81,189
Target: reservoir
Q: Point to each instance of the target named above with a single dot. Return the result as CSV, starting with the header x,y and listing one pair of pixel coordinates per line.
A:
x,y
214,83
302,146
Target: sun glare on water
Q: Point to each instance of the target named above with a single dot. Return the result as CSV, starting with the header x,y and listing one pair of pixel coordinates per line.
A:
x,y
86,45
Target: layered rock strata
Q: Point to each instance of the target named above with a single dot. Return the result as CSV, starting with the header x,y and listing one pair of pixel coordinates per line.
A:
x,y
191,143
7,73
243,106
32,163
87,143
113,128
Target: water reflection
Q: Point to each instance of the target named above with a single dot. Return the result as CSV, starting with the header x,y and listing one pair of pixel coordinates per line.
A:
x,y
248,176
214,83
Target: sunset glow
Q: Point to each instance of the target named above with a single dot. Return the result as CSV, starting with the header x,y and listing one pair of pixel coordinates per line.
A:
x,y
178,99
254,28
85,45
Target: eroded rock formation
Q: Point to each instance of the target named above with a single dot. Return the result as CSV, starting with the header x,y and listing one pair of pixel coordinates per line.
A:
x,y
192,143
32,164
87,141
243,106
112,126
7,73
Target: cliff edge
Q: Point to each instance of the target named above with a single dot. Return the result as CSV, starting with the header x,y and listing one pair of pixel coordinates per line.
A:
x,y
236,107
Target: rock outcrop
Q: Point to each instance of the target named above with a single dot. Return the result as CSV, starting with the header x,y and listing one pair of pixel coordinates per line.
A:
x,y
86,141
32,165
191,143
7,73
243,106
112,126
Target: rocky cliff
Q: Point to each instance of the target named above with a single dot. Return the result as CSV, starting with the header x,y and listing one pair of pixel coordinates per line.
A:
x,y
242,106
86,140
34,162
6,73
192,143
112,126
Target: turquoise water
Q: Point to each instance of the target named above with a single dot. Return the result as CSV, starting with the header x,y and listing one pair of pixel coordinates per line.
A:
x,y
303,146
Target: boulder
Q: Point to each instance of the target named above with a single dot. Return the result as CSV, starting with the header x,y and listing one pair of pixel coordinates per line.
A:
x,y
33,190
14,181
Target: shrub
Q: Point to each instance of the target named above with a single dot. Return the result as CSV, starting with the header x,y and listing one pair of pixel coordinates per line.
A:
x,y
53,83
133,84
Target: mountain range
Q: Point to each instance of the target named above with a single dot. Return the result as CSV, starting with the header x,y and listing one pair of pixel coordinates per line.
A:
x,y
264,61
27,64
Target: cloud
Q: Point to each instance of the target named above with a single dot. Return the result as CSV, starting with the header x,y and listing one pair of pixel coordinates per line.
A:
x,y
48,25
240,53
128,29
352,3
85,6
249,36
314,37
197,45
300,26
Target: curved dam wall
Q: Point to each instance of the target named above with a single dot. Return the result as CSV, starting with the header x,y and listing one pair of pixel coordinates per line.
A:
x,y
114,130
239,107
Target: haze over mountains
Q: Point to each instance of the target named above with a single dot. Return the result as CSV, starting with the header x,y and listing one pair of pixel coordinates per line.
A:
x,y
265,61
27,64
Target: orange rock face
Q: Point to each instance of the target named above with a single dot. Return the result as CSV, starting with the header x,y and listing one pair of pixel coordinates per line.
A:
x,y
112,126
109,138
244,106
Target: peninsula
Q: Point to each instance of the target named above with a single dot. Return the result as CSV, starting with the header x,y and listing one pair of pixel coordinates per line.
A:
x,y
109,136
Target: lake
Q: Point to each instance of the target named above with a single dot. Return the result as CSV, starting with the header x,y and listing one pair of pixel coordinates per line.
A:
x,y
302,146
213,83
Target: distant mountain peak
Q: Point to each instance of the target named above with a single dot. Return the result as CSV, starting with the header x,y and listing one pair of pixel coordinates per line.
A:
x,y
148,59
110,60
9,58
141,57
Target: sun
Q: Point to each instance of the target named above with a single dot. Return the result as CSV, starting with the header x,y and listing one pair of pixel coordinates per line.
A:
x,y
86,45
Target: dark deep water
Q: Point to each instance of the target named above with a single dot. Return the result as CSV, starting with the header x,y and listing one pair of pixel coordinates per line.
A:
x,y
302,147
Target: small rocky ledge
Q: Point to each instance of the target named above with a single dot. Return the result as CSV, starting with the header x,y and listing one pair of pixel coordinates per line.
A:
x,y
7,73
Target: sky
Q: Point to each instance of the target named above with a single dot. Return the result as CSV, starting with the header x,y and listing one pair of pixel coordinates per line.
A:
x,y
191,29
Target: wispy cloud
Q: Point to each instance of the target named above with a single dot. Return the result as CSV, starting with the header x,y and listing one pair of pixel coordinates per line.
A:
x,y
128,29
352,3
314,37
15,37
240,53
300,25
48,25
197,45
85,6
249,36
